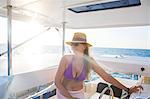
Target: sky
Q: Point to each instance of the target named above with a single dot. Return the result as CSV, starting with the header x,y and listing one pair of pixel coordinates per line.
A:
x,y
121,37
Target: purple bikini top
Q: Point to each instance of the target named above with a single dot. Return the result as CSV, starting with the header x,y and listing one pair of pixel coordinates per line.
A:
x,y
68,72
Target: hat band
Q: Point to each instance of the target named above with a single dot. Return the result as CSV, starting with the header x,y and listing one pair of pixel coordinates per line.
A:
x,y
79,39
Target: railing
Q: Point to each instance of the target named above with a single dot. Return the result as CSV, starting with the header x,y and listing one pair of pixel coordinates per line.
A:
x,y
45,93
111,90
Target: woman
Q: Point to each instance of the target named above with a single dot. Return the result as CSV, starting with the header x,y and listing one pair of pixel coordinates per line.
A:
x,y
74,69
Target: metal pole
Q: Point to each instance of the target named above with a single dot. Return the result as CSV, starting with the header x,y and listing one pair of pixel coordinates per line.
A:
x,y
63,40
9,30
64,26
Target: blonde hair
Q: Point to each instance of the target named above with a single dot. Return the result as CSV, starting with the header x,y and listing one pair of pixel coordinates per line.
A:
x,y
86,62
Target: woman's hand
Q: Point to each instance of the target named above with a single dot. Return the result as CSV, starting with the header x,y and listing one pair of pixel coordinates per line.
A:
x,y
135,89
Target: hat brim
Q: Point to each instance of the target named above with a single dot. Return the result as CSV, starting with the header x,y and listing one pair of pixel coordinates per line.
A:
x,y
70,43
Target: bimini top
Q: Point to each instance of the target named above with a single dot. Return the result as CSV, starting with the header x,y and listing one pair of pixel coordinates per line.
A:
x,y
119,13
105,6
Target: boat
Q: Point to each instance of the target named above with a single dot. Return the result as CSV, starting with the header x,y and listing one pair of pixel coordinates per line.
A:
x,y
73,14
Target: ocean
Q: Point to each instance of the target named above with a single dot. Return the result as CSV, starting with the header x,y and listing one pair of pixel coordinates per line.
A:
x,y
94,50
121,51
29,58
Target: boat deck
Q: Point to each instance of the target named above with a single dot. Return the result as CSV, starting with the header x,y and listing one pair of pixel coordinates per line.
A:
x,y
90,89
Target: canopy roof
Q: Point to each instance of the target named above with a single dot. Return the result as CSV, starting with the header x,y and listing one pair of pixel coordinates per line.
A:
x,y
54,12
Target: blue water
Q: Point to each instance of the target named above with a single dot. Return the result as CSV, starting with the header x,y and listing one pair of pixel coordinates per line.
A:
x,y
126,76
121,51
97,51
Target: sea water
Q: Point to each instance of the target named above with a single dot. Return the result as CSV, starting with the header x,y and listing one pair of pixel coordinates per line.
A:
x,y
29,59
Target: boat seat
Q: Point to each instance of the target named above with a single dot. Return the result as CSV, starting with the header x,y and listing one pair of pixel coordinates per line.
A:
x,y
45,93
104,89
5,82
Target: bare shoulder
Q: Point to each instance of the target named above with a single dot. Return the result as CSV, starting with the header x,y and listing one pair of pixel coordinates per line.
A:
x,y
92,61
67,58
91,58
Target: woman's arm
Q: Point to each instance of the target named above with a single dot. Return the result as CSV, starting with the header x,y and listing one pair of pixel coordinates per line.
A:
x,y
108,78
60,75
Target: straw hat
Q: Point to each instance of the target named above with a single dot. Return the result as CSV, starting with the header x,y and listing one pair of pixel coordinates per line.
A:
x,y
79,38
